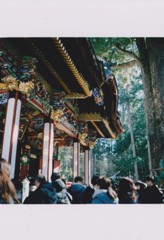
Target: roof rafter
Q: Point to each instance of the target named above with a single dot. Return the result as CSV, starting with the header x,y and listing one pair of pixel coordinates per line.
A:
x,y
98,129
81,81
50,67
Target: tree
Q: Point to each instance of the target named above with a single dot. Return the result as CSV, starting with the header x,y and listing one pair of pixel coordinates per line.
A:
x,y
102,152
151,52
124,157
65,157
148,53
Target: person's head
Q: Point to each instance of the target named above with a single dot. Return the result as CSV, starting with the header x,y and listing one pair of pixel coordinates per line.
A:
x,y
126,185
55,176
94,180
40,179
149,181
104,183
78,179
7,189
140,185
126,191
5,166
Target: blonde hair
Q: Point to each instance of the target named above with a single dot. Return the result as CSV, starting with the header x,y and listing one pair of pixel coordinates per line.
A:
x,y
7,189
5,166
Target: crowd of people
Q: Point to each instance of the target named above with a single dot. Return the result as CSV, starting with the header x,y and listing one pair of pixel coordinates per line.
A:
x,y
100,191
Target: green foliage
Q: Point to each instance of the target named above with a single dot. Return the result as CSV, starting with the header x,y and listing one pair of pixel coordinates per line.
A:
x,y
102,146
65,157
106,48
121,151
104,158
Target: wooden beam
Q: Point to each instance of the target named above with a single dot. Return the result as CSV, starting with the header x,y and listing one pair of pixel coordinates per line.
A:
x,y
98,129
113,135
50,68
75,95
90,117
79,78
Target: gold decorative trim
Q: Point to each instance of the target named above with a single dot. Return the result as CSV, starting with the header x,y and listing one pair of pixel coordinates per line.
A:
x,y
82,82
26,87
75,95
91,144
50,68
4,86
82,136
89,117
113,135
56,115
83,142
11,83
98,129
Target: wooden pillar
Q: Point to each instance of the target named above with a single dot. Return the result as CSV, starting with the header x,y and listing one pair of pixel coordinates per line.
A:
x,y
11,130
93,165
47,152
87,166
76,159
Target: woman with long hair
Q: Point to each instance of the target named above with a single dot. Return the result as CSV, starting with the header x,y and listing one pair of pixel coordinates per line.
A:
x,y
5,166
7,190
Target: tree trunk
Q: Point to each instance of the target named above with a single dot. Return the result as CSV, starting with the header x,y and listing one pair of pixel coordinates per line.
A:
x,y
149,158
123,113
151,51
132,136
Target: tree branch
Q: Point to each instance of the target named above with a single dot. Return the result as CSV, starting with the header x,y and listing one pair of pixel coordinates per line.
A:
x,y
129,53
142,49
125,65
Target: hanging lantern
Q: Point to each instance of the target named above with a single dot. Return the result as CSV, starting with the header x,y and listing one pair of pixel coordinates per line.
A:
x,y
11,130
47,155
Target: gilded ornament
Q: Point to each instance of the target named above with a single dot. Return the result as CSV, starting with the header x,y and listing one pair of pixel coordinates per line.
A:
x,y
10,83
56,115
25,88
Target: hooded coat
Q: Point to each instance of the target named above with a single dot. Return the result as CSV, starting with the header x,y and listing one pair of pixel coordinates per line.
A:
x,y
63,197
77,190
44,194
104,198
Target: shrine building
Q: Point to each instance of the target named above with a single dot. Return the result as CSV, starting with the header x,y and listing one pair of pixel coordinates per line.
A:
x,y
53,92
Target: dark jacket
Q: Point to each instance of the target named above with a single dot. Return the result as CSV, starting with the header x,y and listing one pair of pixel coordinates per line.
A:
x,y
128,198
152,195
87,195
76,190
104,198
63,197
44,194
140,196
